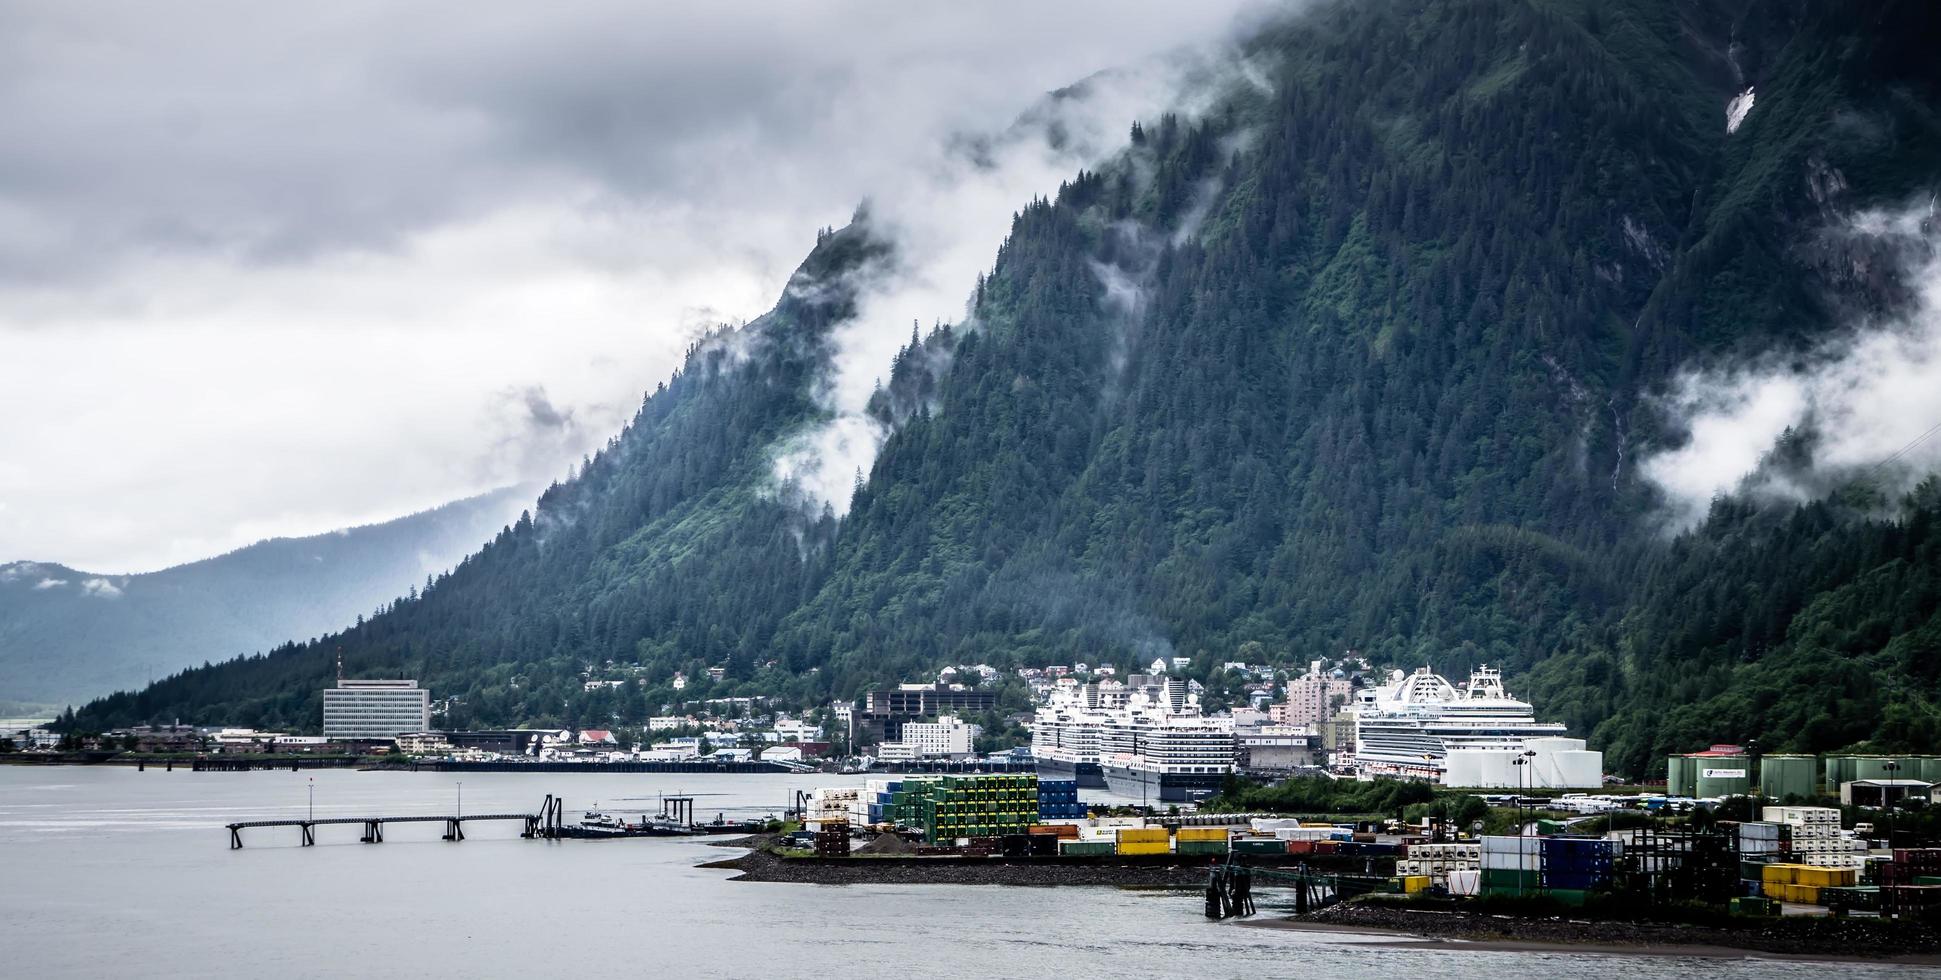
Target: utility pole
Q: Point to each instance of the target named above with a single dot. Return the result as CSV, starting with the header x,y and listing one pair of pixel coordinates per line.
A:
x,y
461,797
313,799
1886,804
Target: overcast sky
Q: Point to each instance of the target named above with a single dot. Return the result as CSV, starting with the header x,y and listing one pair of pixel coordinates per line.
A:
x,y
272,269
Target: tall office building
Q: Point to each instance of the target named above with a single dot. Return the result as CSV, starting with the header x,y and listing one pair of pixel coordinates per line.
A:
x,y
375,709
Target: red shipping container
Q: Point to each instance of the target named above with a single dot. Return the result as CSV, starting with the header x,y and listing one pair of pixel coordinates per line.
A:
x,y
1300,847
1327,847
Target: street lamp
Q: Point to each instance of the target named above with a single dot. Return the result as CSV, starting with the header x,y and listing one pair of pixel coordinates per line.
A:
x,y
313,799
461,798
1520,762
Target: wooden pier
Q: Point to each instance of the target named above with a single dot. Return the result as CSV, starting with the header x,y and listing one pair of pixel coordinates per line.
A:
x,y
542,825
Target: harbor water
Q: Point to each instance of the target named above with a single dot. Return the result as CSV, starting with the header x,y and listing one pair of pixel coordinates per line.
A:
x,y
110,871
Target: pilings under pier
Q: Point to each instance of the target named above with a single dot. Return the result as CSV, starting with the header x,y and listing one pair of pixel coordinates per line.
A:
x,y
542,825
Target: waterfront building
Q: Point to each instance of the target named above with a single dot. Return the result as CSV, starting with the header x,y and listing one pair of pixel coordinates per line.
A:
x,y
375,709
949,737
795,730
1277,748
424,743
1408,726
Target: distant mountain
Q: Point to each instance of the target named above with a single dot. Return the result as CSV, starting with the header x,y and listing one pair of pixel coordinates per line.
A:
x,y
71,635
1365,356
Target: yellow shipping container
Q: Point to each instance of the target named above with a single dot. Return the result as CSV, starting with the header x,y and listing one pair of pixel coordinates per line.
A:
x,y
1416,883
1827,877
1796,894
1779,874
1144,847
1203,833
1143,834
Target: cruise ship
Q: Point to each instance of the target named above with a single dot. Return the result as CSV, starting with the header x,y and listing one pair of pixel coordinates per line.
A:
x,y
1407,727
1065,734
1148,740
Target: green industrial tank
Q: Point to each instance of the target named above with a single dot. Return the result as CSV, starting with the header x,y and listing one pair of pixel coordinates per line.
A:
x,y
1930,769
1876,767
1678,775
1841,769
1722,775
1785,776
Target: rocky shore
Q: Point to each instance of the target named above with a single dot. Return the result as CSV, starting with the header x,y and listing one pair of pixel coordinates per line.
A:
x,y
1815,937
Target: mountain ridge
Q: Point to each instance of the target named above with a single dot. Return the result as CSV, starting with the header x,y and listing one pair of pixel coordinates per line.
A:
x,y
69,634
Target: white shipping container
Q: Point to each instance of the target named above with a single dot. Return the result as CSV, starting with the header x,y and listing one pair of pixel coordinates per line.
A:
x,y
1512,845
1465,882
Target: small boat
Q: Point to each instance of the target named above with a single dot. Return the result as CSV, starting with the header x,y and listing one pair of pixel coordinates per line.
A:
x,y
598,825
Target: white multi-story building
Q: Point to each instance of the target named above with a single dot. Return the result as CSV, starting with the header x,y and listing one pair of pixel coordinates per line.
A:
x,y
796,730
375,709
949,737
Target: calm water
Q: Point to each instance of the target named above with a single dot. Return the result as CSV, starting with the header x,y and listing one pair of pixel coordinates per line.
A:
x,y
108,871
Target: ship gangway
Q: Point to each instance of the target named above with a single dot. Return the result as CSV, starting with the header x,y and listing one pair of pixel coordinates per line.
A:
x,y
544,825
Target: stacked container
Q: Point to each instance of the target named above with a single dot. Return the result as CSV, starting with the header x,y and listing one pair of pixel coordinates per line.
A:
x,y
1815,836
1802,883
1144,840
1576,866
1439,860
976,806
831,805
1511,865
1058,800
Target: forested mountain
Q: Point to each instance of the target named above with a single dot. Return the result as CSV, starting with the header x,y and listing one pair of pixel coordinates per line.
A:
x,y
67,634
1360,358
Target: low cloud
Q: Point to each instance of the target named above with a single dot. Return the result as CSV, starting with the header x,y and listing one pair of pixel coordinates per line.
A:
x,y
1866,405
946,220
278,267
101,588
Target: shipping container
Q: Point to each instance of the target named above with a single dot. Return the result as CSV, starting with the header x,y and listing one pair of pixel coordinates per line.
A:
x,y
1259,845
1127,835
1528,881
1200,847
1132,847
1202,833
1085,848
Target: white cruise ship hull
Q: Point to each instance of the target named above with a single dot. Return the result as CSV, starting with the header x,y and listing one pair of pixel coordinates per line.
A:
x,y
1161,787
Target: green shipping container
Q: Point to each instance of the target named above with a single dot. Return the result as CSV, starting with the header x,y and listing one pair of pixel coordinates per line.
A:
x,y
1744,905
1274,846
1085,848
1527,881
1200,847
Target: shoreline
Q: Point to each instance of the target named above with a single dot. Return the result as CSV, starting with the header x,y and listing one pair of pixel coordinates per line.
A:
x,y
1802,939
758,865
